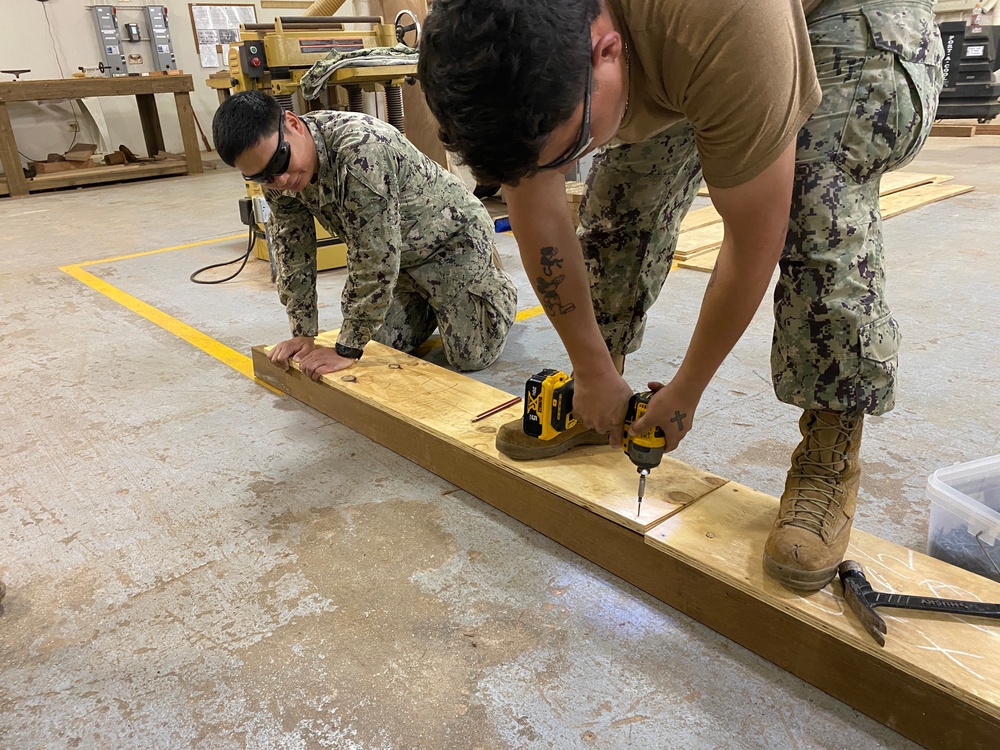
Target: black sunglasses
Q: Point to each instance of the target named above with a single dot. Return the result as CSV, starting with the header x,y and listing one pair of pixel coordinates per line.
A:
x,y
585,140
278,163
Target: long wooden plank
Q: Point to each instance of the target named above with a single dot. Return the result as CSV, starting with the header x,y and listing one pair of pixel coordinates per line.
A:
x,y
442,403
97,175
937,659
696,241
710,239
953,130
77,88
890,205
700,217
893,182
835,659
900,203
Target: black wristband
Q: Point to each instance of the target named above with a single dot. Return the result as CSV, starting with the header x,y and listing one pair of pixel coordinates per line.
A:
x,y
348,352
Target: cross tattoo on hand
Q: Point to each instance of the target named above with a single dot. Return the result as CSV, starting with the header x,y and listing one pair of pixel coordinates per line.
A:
x,y
678,418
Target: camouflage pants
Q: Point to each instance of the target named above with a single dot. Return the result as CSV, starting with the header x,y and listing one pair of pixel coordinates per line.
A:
x,y
474,322
835,340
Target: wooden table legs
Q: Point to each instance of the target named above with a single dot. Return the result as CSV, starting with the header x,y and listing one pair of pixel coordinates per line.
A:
x,y
185,117
16,184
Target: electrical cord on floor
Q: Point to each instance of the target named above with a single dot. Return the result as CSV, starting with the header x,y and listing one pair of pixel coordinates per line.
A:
x,y
245,257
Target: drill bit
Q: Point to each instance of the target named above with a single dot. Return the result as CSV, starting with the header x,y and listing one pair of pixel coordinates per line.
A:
x,y
643,473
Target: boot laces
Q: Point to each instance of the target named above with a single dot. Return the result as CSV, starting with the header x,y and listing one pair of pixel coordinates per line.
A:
x,y
820,479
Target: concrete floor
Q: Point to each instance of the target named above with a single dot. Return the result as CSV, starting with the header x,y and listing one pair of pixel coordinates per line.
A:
x,y
195,562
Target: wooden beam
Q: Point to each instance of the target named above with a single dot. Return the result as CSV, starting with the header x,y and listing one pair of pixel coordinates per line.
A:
x,y
598,478
185,118
78,177
77,88
149,117
285,4
16,184
703,559
937,681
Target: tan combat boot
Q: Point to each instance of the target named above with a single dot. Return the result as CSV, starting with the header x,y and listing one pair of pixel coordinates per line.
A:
x,y
512,441
810,536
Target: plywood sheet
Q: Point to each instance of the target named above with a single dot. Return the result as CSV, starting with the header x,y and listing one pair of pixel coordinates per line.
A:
x,y
900,203
442,403
892,182
695,241
723,536
702,262
700,217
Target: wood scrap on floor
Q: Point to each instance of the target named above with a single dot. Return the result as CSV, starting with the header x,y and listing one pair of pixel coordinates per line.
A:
x,y
899,192
953,130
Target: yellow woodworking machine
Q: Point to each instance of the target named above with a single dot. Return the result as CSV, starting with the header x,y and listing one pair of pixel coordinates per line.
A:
x,y
273,57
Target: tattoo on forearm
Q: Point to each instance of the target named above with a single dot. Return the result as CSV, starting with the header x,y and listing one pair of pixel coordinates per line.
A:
x,y
547,291
711,279
679,419
550,259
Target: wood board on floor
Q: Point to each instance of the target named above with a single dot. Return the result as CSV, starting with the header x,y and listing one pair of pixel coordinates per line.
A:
x,y
442,403
953,130
677,561
945,667
892,182
891,204
703,233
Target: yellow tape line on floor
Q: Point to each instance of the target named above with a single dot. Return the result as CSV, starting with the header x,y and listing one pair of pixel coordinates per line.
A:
x,y
214,348
239,362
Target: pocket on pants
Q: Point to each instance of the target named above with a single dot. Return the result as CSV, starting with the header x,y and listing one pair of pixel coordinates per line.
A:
x,y
896,97
880,339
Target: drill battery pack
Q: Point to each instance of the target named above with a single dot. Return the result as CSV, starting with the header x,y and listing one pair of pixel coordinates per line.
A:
x,y
548,404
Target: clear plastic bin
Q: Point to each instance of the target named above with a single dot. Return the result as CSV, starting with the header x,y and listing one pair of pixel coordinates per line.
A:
x,y
964,527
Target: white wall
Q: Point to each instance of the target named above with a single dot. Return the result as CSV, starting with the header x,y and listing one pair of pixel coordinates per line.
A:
x,y
42,127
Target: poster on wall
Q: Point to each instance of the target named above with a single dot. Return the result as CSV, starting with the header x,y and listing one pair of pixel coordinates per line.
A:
x,y
216,27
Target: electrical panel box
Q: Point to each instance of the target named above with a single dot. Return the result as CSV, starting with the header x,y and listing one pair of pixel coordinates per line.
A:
x,y
109,39
159,37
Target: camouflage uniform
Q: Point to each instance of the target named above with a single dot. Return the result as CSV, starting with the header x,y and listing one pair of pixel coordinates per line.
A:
x,y
835,340
419,246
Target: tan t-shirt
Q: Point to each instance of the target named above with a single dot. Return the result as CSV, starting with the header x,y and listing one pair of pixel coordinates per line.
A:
x,y
741,71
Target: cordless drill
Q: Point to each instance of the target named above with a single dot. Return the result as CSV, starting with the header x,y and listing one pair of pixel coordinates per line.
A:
x,y
646,449
548,411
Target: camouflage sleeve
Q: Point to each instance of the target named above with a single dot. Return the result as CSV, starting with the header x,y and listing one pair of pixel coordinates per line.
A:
x,y
372,232
292,241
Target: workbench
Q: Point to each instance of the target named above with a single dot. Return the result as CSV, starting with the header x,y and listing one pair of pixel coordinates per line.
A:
x,y
143,88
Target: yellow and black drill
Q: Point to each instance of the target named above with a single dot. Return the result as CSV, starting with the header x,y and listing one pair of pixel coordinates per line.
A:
x,y
646,449
548,410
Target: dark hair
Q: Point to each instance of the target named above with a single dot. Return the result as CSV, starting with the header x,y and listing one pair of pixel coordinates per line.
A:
x,y
501,75
241,121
